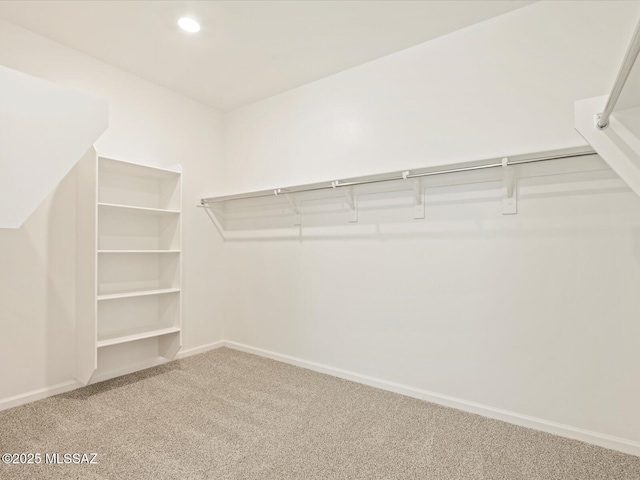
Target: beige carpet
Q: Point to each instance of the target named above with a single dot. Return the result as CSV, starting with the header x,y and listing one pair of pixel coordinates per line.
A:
x,y
230,415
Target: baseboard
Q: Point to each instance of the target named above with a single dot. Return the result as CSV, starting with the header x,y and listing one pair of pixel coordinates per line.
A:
x,y
607,441
201,349
39,394
65,387
595,438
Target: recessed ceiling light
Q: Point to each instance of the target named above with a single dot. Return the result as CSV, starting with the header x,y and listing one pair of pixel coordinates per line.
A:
x,y
189,25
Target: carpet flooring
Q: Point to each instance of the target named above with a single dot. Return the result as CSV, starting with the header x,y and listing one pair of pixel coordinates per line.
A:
x,y
231,415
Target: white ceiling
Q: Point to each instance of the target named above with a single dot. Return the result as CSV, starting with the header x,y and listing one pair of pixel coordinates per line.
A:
x,y
246,50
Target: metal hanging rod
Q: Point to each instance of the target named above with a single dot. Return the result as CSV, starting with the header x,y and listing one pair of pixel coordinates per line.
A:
x,y
406,175
621,79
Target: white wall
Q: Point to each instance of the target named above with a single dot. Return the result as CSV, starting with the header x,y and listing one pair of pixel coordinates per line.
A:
x,y
536,314
502,87
148,124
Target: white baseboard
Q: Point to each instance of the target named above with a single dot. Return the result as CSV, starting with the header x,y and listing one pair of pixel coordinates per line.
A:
x,y
602,440
201,349
607,441
65,387
39,394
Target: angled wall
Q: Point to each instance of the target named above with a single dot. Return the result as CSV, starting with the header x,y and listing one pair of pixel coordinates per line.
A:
x,y
44,130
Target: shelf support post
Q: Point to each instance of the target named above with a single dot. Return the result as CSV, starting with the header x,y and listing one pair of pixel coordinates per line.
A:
x,y
352,200
509,190
418,196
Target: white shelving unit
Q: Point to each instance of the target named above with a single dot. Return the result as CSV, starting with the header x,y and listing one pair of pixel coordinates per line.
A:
x,y
129,295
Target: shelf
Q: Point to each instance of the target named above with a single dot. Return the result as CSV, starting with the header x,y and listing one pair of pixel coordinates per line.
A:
x,y
617,144
125,227
134,209
135,334
140,293
122,183
138,251
119,274
406,178
121,167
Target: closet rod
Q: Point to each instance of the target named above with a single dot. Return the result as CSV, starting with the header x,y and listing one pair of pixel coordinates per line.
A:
x,y
623,75
401,176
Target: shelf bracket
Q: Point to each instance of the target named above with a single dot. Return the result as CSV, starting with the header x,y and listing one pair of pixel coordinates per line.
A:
x,y
418,196
295,207
213,217
352,201
509,189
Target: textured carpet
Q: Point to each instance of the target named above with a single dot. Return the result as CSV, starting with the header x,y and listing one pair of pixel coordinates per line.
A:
x,y
230,415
